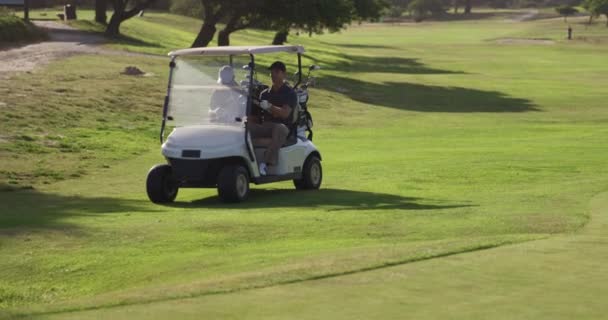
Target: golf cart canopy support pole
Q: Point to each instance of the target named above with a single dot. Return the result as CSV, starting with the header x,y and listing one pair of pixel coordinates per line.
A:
x,y
299,70
249,107
166,104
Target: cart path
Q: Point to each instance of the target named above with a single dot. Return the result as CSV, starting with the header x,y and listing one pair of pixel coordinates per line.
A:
x,y
64,41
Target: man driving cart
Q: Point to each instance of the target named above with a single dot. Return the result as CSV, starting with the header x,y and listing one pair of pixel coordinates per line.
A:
x,y
277,103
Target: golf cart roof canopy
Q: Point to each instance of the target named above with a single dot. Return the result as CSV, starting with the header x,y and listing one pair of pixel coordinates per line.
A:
x,y
221,51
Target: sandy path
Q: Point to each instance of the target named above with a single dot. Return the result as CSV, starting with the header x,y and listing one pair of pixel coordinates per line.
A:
x,y
64,41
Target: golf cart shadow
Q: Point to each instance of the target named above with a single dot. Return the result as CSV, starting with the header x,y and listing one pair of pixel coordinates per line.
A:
x,y
329,199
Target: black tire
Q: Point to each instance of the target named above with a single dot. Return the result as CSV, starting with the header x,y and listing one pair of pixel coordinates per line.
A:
x,y
312,175
233,183
160,185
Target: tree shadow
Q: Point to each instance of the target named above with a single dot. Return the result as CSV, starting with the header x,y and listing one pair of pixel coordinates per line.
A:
x,y
122,39
93,36
330,199
359,46
386,65
427,98
344,62
24,210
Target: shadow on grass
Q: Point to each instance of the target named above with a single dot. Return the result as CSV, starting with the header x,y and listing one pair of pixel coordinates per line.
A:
x,y
24,210
90,32
355,63
359,46
126,40
330,199
348,63
404,95
426,98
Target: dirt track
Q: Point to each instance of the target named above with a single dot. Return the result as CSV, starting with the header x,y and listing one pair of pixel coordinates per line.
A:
x,y
64,41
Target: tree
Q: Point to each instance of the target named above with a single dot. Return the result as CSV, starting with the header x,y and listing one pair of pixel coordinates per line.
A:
x,y
121,13
189,8
597,8
587,5
214,11
100,11
566,11
368,9
468,6
421,9
242,15
314,16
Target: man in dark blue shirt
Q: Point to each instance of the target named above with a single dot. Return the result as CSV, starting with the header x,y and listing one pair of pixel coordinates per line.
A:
x,y
278,102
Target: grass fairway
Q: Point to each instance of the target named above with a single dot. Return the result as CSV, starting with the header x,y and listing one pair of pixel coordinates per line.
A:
x,y
460,172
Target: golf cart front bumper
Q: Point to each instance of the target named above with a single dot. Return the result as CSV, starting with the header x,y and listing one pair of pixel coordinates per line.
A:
x,y
197,173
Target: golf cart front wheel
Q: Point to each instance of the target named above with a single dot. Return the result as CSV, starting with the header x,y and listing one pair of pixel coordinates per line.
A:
x,y
160,185
312,175
233,183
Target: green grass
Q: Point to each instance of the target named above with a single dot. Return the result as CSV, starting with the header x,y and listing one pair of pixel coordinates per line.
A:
x,y
436,141
559,278
13,30
53,133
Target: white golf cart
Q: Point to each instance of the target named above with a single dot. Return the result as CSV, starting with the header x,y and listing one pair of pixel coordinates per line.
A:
x,y
210,145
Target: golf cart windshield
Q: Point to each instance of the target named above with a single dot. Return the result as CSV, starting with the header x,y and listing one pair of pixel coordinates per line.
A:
x,y
208,90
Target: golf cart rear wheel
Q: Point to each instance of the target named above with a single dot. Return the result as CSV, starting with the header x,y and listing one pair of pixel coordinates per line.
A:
x,y
233,183
160,185
312,175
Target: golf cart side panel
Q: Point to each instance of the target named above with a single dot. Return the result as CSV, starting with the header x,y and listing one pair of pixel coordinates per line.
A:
x,y
291,158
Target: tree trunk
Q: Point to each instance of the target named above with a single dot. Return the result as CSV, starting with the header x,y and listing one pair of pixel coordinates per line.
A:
x,y
205,35
223,38
113,28
468,6
100,11
120,15
280,37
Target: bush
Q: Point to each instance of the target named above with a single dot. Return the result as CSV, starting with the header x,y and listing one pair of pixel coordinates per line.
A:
x,y
190,8
14,29
566,10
